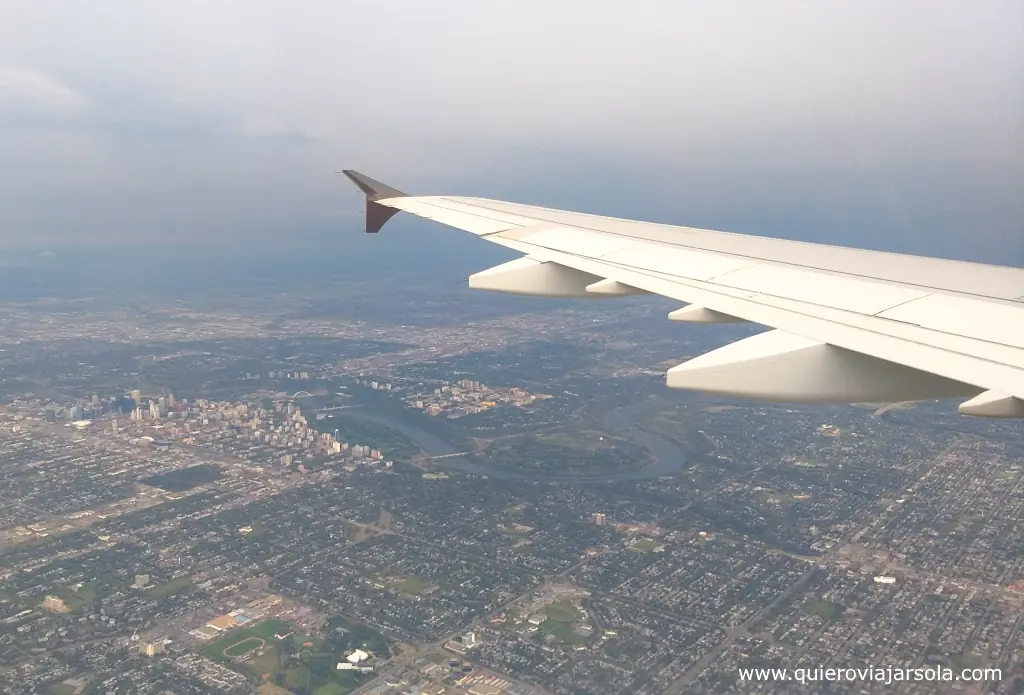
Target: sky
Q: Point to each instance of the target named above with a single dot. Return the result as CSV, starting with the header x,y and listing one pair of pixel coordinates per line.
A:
x,y
894,124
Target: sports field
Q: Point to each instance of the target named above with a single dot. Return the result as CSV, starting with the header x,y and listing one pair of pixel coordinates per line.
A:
x,y
241,641
243,647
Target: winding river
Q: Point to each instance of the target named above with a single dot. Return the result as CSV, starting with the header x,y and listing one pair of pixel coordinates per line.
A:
x,y
669,458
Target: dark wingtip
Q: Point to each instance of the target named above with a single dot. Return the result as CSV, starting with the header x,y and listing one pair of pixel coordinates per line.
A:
x,y
377,215
374,190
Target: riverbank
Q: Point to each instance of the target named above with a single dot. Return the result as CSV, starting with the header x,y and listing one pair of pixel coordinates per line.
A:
x,y
668,457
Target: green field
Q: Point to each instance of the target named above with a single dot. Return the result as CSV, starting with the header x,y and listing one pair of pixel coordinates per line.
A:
x,y
563,631
297,678
967,660
264,630
300,639
241,640
584,439
645,545
561,617
272,689
670,417
568,453
244,647
681,425
268,663
562,611
291,664
71,599
773,497
346,635
824,609
412,585
180,585
74,600
330,689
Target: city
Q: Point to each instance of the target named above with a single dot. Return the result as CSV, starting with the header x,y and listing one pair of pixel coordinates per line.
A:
x,y
329,507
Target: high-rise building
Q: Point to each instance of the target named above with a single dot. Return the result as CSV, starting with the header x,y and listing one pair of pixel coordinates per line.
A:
x,y
151,648
600,518
137,397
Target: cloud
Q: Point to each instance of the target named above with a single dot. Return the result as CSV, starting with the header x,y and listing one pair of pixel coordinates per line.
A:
x,y
225,120
26,87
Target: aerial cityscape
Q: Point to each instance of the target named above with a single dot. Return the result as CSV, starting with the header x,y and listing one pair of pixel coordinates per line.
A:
x,y
221,495
511,348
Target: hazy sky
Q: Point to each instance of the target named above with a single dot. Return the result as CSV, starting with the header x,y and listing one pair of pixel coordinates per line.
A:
x,y
896,124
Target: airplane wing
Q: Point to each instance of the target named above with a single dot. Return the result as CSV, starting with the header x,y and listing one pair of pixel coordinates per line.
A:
x,y
850,326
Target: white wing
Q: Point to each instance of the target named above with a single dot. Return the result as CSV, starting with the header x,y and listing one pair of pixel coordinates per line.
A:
x,y
850,325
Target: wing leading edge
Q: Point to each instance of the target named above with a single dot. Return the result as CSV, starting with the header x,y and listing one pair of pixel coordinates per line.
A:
x,y
850,325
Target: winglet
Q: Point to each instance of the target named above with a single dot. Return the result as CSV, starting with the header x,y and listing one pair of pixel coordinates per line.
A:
x,y
377,215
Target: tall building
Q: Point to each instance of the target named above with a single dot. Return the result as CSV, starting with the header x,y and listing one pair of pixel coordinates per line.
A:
x,y
151,648
600,519
137,397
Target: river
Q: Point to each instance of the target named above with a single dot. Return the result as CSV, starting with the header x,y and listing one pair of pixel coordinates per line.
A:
x,y
669,458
